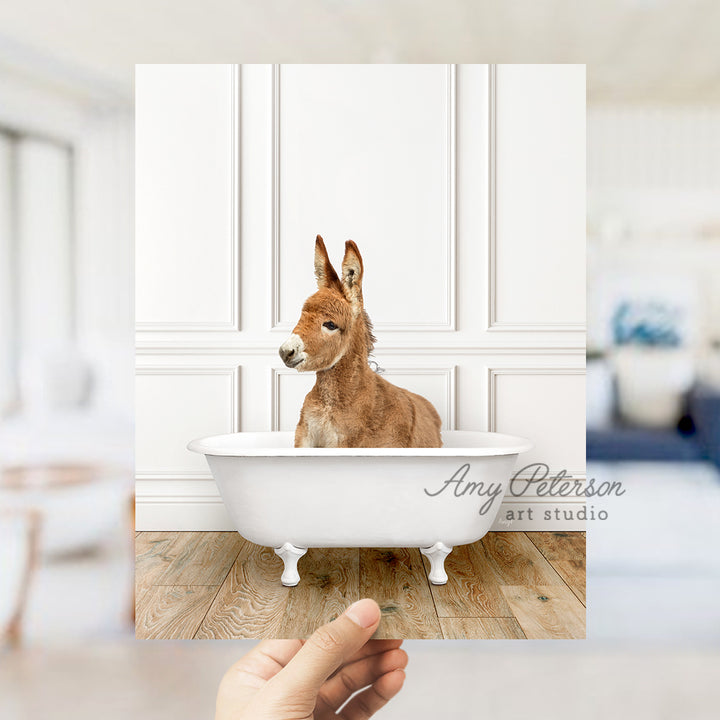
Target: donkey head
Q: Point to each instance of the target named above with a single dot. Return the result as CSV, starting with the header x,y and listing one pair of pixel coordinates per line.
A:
x,y
333,321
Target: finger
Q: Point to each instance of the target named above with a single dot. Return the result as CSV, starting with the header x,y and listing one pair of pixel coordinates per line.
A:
x,y
265,660
279,651
374,647
358,675
365,704
245,677
327,649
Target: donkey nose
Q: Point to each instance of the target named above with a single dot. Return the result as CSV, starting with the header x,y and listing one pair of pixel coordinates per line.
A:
x,y
286,353
292,351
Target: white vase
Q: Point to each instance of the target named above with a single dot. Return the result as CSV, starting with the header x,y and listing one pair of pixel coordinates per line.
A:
x,y
599,389
652,383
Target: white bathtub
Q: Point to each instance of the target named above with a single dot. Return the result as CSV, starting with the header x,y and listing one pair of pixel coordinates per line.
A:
x,y
295,498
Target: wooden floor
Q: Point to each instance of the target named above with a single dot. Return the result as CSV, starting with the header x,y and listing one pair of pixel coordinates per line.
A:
x,y
217,585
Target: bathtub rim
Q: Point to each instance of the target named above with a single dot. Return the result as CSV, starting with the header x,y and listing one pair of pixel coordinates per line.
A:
x,y
226,446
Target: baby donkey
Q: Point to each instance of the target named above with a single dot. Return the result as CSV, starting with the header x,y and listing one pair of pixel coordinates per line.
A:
x,y
350,405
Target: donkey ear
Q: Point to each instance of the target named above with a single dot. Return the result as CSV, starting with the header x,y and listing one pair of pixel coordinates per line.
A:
x,y
352,274
324,271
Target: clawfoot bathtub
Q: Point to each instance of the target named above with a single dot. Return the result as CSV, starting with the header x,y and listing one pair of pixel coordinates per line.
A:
x,y
291,498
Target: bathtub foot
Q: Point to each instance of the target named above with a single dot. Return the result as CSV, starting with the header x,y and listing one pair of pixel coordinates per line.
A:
x,y
437,554
290,556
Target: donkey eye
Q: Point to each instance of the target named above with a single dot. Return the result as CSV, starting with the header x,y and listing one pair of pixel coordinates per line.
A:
x,y
330,325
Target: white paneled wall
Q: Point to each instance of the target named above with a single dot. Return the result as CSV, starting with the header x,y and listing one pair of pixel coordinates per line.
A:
x,y
464,187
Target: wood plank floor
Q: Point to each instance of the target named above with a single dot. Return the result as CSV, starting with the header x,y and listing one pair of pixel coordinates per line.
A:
x,y
509,585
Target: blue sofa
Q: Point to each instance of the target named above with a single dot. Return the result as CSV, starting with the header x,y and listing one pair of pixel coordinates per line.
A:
x,y
697,436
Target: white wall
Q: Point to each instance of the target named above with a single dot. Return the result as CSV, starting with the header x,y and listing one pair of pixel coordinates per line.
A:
x,y
464,184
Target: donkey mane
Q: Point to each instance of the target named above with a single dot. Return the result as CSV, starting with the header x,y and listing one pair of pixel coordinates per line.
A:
x,y
368,328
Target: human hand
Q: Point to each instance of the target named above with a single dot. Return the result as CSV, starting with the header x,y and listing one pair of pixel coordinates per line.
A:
x,y
312,679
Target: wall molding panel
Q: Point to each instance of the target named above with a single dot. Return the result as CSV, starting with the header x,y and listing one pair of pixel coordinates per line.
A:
x,y
494,323
233,398
450,211
494,373
232,324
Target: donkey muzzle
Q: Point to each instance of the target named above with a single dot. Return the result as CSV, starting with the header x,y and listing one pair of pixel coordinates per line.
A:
x,y
292,351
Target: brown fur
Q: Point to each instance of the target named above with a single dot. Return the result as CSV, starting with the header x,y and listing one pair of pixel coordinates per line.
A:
x,y
350,405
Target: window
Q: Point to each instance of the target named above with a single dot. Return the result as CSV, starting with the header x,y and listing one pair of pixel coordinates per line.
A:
x,y
37,267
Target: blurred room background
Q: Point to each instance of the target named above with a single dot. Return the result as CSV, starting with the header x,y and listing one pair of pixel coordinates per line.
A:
x,y
66,346
653,366
66,391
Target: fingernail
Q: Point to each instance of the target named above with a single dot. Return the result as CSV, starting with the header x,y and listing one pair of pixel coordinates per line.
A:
x,y
364,613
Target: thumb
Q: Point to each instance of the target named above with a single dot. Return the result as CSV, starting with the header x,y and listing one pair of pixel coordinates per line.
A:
x,y
328,648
